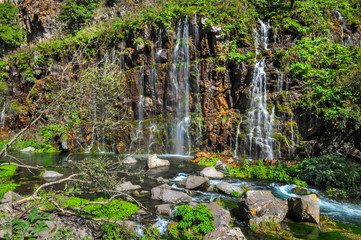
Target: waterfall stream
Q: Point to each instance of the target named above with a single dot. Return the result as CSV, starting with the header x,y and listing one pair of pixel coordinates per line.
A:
x,y
2,117
346,39
260,121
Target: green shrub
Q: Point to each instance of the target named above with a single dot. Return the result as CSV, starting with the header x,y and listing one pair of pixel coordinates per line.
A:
x,y
75,12
198,220
333,171
11,34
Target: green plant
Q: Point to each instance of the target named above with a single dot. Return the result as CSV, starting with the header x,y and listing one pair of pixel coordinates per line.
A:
x,y
113,231
198,219
11,34
236,194
25,228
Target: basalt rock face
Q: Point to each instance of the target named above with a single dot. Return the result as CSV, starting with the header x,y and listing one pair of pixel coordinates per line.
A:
x,y
179,96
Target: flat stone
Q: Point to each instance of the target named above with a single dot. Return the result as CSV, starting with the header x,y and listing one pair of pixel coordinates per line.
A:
x,y
130,160
225,233
51,176
228,188
164,193
261,206
222,217
193,182
304,209
154,162
141,212
211,172
162,180
28,149
127,186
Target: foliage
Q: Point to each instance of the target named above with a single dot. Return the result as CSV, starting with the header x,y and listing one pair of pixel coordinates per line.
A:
x,y
39,146
280,172
11,34
25,229
7,172
198,220
75,12
116,209
236,194
210,162
333,171
5,187
113,231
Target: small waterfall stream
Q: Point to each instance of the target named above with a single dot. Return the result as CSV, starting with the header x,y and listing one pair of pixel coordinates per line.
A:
x,y
260,121
2,116
345,38
180,78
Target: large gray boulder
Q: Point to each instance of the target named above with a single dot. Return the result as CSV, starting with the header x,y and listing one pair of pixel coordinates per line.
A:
x,y
154,162
225,233
304,209
261,206
164,193
193,182
222,217
228,188
50,176
127,186
211,172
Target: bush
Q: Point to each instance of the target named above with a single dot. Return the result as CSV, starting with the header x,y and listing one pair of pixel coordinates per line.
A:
x,y
75,12
198,220
11,34
333,171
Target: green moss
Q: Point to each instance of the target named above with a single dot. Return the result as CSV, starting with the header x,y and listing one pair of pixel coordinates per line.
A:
x,y
7,172
116,209
236,194
4,188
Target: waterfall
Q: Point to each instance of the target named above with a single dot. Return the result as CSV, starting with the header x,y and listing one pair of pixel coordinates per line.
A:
x,y
2,117
198,99
343,21
236,147
152,129
140,105
179,78
260,121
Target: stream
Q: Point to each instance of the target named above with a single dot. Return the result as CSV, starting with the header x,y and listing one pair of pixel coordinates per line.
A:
x,y
180,168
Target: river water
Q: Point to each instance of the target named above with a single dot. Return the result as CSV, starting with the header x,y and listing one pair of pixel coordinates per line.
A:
x,y
181,167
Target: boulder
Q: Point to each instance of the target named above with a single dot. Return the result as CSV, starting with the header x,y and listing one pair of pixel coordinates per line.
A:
x,y
165,209
304,209
164,193
261,206
211,172
222,217
228,188
127,186
129,160
51,176
193,182
28,149
154,162
7,201
141,212
225,233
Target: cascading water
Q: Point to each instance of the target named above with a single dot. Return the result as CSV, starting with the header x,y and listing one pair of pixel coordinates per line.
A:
x,y
238,132
152,129
260,121
2,117
140,105
179,78
346,40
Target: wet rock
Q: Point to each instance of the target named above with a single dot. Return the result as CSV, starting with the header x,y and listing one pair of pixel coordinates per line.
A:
x,y
301,191
164,193
165,209
189,192
222,217
228,188
211,172
130,160
50,176
154,162
304,209
193,182
261,206
210,188
162,180
127,186
28,149
141,212
225,233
